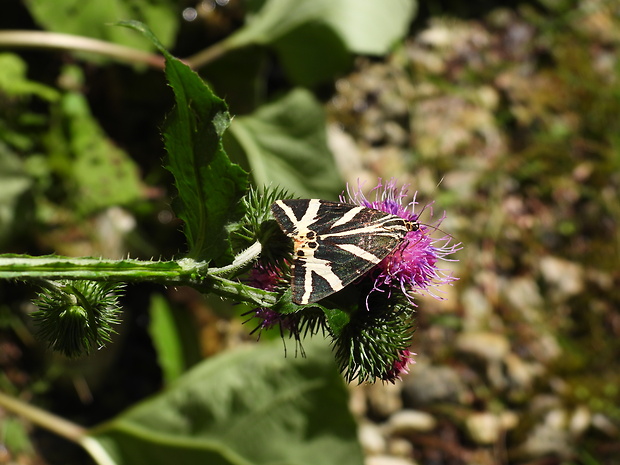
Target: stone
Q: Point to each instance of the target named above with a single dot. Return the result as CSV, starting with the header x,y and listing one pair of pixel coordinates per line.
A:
x,y
431,384
488,346
484,427
371,438
408,422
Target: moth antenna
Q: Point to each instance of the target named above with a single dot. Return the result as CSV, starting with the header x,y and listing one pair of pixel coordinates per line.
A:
x,y
430,207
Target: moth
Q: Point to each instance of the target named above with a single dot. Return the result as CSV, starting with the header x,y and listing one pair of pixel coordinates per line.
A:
x,y
335,243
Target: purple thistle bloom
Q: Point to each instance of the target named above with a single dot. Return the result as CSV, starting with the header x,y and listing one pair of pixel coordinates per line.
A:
x,y
269,277
269,319
265,276
412,267
400,367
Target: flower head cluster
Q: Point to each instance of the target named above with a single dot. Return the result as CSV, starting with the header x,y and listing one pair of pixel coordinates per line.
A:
x,y
269,277
370,321
399,367
412,267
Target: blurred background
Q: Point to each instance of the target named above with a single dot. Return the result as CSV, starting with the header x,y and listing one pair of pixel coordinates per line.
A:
x,y
502,114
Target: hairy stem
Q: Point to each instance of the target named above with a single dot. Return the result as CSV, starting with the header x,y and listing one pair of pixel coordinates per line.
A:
x,y
184,272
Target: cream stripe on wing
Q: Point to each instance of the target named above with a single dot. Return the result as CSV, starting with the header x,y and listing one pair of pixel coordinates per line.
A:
x,y
310,215
359,252
324,270
348,216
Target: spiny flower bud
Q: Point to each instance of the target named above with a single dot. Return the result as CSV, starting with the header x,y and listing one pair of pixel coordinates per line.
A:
x,y
76,316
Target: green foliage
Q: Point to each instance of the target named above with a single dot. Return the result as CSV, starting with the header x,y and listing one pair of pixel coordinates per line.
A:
x,y
15,83
285,140
248,406
174,338
96,172
62,159
13,195
93,19
365,27
14,436
209,186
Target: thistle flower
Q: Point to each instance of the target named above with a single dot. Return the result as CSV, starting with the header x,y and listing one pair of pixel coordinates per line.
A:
x,y
370,323
400,367
270,277
267,277
412,267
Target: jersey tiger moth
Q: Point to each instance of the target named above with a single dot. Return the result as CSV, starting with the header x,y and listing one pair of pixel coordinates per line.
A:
x,y
335,243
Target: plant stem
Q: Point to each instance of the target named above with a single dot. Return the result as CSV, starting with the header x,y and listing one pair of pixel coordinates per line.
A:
x,y
206,56
184,272
49,421
59,41
55,267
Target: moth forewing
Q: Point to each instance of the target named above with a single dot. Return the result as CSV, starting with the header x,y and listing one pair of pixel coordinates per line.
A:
x,y
335,243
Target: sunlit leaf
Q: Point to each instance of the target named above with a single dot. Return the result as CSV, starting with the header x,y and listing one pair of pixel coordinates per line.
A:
x,y
366,26
250,406
94,18
285,145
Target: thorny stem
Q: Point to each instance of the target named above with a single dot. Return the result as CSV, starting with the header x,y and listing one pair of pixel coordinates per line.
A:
x,y
183,272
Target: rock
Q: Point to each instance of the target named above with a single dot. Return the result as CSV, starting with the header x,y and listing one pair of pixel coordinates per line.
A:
x,y
565,276
407,422
580,420
549,437
522,374
477,310
357,400
490,347
388,460
371,439
604,424
429,384
484,427
509,420
399,447
384,399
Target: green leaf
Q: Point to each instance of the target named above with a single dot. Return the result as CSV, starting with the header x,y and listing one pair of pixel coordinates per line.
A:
x,y
174,338
251,406
365,26
370,27
14,215
94,17
304,57
239,75
285,144
209,185
98,173
15,83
